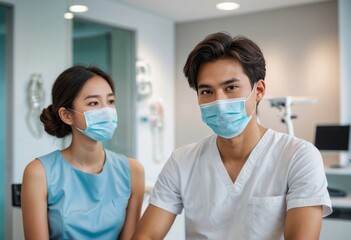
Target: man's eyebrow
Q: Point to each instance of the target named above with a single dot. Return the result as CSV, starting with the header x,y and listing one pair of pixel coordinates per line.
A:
x,y
229,81
222,83
204,86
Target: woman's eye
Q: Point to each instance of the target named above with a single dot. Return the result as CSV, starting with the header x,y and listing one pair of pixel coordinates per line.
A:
x,y
112,101
93,103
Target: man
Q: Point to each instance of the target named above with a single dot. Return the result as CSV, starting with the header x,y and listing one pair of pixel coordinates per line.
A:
x,y
245,181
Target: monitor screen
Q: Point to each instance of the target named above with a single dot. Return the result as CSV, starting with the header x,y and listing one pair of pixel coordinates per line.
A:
x,y
332,137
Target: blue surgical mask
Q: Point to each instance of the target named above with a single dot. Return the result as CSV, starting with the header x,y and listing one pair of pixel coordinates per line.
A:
x,y
101,123
227,118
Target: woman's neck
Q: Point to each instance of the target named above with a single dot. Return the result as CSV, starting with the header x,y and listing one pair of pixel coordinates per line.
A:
x,y
87,156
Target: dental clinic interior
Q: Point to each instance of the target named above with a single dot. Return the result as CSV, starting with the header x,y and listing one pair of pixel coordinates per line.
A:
x,y
308,61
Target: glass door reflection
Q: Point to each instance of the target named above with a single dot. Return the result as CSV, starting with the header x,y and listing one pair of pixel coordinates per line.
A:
x,y
113,50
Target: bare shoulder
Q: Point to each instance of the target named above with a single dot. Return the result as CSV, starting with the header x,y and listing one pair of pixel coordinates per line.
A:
x,y
34,201
137,176
34,169
34,186
136,167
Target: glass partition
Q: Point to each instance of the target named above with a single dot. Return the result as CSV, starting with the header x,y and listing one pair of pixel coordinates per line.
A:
x,y
113,50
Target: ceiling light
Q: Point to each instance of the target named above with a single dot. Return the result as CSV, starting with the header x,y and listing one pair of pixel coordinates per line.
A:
x,y
227,6
68,15
78,8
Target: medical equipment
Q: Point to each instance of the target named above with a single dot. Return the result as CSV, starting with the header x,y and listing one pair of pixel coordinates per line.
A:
x,y
283,104
157,122
36,99
150,109
143,80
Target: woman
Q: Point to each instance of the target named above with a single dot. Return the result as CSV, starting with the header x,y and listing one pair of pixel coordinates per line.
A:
x,y
83,191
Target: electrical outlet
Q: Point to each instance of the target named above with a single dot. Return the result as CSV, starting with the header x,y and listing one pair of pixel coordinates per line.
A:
x,y
16,195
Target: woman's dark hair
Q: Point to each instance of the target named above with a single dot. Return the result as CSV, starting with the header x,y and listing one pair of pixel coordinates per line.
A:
x,y
222,46
65,89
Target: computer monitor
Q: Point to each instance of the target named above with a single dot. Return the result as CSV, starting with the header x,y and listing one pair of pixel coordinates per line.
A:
x,y
332,137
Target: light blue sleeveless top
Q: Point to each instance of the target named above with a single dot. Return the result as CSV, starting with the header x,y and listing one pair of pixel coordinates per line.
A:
x,y
83,205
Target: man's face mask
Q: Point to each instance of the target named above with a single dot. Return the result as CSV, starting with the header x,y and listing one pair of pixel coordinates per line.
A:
x,y
227,118
101,123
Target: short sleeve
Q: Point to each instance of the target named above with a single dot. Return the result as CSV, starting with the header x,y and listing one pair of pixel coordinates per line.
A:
x,y
307,183
166,192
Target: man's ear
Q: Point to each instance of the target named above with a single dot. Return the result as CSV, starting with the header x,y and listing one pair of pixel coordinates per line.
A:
x,y
65,115
260,89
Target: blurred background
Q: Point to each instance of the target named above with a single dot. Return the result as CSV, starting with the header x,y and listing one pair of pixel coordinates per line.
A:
x,y
144,45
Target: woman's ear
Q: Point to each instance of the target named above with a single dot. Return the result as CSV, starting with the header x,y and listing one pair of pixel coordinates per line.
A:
x,y
65,115
260,89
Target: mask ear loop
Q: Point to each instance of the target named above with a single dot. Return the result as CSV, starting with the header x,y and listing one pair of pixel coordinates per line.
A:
x,y
254,109
81,130
70,109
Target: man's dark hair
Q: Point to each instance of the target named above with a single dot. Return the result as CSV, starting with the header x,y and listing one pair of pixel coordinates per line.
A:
x,y
222,46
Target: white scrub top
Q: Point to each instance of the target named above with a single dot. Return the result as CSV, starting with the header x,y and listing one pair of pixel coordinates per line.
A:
x,y
282,172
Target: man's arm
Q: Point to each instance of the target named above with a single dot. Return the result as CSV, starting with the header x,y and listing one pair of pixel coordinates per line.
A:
x,y
303,223
154,224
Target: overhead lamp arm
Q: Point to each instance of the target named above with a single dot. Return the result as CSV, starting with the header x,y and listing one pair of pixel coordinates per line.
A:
x,y
284,104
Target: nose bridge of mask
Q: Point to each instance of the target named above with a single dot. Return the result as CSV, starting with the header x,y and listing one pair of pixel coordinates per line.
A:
x,y
221,109
235,108
226,106
95,116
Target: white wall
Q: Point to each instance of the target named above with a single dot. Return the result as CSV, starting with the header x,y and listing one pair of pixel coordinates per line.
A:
x,y
39,47
42,45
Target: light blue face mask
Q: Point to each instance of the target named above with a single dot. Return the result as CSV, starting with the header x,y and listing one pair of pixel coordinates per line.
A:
x,y
227,118
101,123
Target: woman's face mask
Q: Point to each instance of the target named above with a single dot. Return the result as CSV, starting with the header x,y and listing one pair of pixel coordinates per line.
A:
x,y
227,118
101,123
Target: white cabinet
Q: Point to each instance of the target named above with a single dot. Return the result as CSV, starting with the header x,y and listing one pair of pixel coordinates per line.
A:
x,y
335,229
340,178
346,171
338,228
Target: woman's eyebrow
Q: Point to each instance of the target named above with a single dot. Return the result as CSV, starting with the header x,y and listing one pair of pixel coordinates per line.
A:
x,y
91,96
97,96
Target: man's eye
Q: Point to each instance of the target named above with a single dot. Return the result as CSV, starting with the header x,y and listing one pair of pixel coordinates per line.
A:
x,y
205,92
230,88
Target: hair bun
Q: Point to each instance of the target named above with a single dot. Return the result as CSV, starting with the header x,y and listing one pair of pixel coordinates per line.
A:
x,y
53,125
